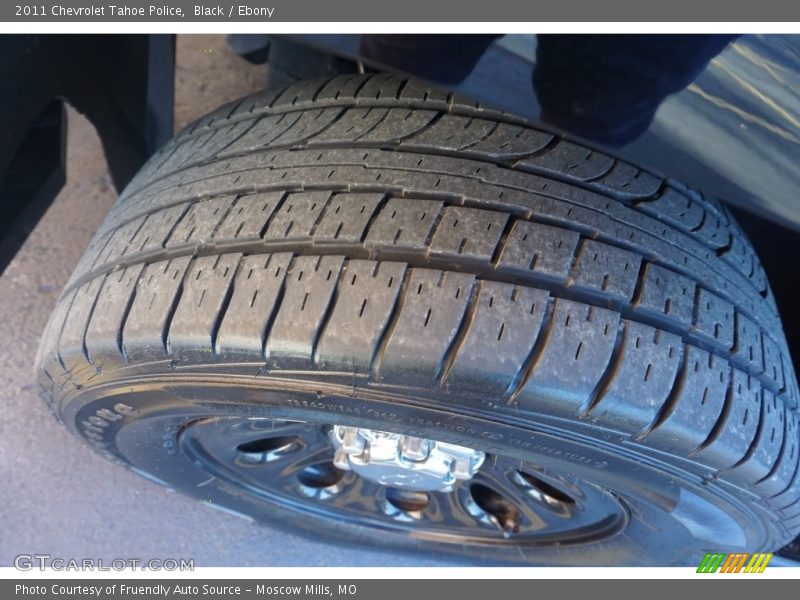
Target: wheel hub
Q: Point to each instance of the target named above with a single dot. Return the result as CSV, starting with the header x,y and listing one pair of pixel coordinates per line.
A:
x,y
429,489
403,461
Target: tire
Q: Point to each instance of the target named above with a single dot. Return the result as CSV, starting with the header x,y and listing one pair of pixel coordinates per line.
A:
x,y
370,251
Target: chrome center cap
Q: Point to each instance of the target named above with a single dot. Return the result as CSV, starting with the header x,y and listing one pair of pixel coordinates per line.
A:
x,y
403,461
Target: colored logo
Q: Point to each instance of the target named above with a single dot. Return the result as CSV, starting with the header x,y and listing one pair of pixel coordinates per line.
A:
x,y
734,563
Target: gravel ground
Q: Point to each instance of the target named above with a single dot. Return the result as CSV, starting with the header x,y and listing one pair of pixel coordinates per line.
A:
x,y
57,496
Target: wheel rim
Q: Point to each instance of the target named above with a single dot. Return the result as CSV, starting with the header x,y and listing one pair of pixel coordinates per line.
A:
x,y
290,463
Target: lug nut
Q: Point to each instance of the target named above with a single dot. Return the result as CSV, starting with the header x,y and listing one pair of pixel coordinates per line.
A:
x,y
461,469
414,449
340,460
352,443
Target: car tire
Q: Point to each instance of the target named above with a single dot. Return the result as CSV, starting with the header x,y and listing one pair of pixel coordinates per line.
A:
x,y
369,251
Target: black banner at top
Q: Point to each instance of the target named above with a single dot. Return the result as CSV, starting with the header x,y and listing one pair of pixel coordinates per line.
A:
x,y
485,11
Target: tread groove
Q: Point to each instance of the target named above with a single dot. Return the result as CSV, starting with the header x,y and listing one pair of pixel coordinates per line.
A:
x,y
223,309
448,358
391,324
327,314
528,367
607,379
667,408
176,299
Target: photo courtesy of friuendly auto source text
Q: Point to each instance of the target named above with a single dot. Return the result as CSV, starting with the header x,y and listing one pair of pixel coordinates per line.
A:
x,y
468,296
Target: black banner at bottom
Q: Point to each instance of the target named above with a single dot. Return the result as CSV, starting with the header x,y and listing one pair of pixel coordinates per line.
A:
x,y
382,589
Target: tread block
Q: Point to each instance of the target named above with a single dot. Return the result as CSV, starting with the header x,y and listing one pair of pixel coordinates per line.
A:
x,y
676,208
353,124
257,289
468,232
345,218
89,256
263,132
156,229
341,86
47,356
629,182
539,248
571,160
642,381
297,216
182,153
71,344
103,337
119,242
430,317
579,346
603,268
791,393
397,124
404,222
776,481
792,517
310,123
206,145
199,224
714,231
748,342
505,326
416,89
367,296
310,286
697,404
714,318
741,419
248,217
772,361
786,501
507,141
145,329
451,132
302,92
381,85
285,129
667,293
741,256
205,292
761,284
767,445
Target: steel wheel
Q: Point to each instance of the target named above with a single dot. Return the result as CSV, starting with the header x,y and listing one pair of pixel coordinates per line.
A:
x,y
506,501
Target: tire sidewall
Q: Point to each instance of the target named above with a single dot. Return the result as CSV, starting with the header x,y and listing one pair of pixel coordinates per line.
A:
x,y
674,516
